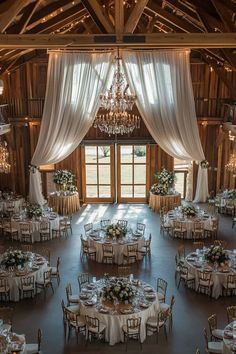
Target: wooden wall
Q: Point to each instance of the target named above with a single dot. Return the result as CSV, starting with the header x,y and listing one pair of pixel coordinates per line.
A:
x,y
25,91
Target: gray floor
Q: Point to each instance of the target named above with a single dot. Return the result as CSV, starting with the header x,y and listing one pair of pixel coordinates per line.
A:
x,y
190,312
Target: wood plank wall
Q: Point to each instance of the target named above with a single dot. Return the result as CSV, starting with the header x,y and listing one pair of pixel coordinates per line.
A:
x,y
27,84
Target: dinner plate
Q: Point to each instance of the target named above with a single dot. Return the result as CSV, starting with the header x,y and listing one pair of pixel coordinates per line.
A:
x,y
150,296
126,311
89,303
144,305
148,289
228,334
102,310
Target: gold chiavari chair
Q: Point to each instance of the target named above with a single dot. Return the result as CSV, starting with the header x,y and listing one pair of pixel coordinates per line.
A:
x,y
156,323
216,333
198,230
231,313
161,289
212,347
229,286
83,280
179,229
26,232
107,253
95,329
131,330
130,254
205,282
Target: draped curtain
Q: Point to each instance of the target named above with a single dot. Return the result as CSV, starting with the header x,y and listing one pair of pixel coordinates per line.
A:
x,y
74,83
162,83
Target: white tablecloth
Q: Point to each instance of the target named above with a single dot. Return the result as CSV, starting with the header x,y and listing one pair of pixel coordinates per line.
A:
x,y
227,342
15,281
16,339
218,277
119,245
17,204
114,322
207,222
54,223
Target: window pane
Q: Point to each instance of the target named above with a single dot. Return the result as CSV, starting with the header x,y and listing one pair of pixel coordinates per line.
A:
x,y
91,192
104,174
139,174
126,174
90,154
127,191
126,154
104,191
139,154
104,154
139,191
91,174
179,184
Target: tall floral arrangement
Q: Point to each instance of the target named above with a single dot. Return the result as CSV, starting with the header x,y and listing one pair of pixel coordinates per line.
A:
x,y
165,181
115,230
119,289
65,179
217,254
14,258
33,210
189,210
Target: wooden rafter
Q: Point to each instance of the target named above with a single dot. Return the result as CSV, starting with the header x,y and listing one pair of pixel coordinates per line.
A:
x,y
23,22
164,22
155,40
96,12
135,16
224,14
8,16
173,19
119,18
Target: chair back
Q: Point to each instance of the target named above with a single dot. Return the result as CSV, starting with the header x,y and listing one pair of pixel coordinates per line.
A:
x,y
92,322
25,228
47,276
231,313
107,248
88,228
177,224
4,283
221,243
58,263
131,249
204,277
122,224
161,286
212,321
206,338
68,291
27,281
198,226
181,251
231,280
123,271
44,226
133,325
141,228
83,279
198,244
27,248
104,223
84,244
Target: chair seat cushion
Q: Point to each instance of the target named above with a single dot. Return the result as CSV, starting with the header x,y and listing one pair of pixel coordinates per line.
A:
x,y
143,250
31,348
10,230
152,321
215,347
53,270
42,282
74,298
160,296
102,326
73,308
218,333
131,330
188,276
108,254
164,307
229,285
79,323
27,287
4,289
91,250
130,254
205,282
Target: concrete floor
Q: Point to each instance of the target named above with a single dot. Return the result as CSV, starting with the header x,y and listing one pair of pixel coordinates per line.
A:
x,y
190,311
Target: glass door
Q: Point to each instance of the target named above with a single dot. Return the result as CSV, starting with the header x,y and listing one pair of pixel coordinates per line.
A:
x,y
131,173
99,173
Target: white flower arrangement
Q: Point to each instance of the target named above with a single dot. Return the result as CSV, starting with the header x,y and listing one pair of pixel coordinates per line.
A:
x,y
189,210
204,164
14,258
165,181
119,289
229,193
217,254
115,230
34,210
63,177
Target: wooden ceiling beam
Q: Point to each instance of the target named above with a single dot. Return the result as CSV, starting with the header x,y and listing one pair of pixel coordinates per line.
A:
x,y
183,8
224,14
155,40
135,15
8,16
164,22
173,19
119,18
96,12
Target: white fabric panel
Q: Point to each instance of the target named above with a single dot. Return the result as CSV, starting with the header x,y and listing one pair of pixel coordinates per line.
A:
x,y
162,83
201,194
74,83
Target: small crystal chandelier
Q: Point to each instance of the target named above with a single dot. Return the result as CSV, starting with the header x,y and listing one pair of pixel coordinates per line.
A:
x,y
4,154
231,165
117,101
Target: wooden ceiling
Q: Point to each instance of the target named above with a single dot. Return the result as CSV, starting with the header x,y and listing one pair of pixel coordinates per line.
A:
x,y
29,26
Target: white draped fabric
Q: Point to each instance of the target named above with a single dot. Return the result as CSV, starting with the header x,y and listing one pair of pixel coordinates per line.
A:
x,y
202,185
74,83
162,83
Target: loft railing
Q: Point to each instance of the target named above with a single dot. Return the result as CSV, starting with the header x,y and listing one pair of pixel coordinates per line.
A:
x,y
33,107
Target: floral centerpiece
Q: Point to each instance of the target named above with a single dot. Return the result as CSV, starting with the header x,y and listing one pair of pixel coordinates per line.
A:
x,y
229,193
204,164
189,210
165,181
217,254
34,210
14,258
119,289
65,179
115,230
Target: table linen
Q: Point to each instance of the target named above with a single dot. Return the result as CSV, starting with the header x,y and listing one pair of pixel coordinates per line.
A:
x,y
64,204
156,202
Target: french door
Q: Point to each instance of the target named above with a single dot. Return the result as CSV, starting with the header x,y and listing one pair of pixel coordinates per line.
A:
x,y
115,173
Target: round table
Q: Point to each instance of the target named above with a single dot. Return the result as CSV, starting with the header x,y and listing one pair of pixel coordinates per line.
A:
x,y
189,222
12,341
145,304
195,262
36,266
64,204
156,202
229,340
35,226
17,204
98,238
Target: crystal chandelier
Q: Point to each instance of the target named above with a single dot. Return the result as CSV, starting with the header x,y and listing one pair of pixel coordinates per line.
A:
x,y
4,154
117,101
231,165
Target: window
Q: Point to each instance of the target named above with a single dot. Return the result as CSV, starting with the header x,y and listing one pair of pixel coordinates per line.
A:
x,y
181,171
